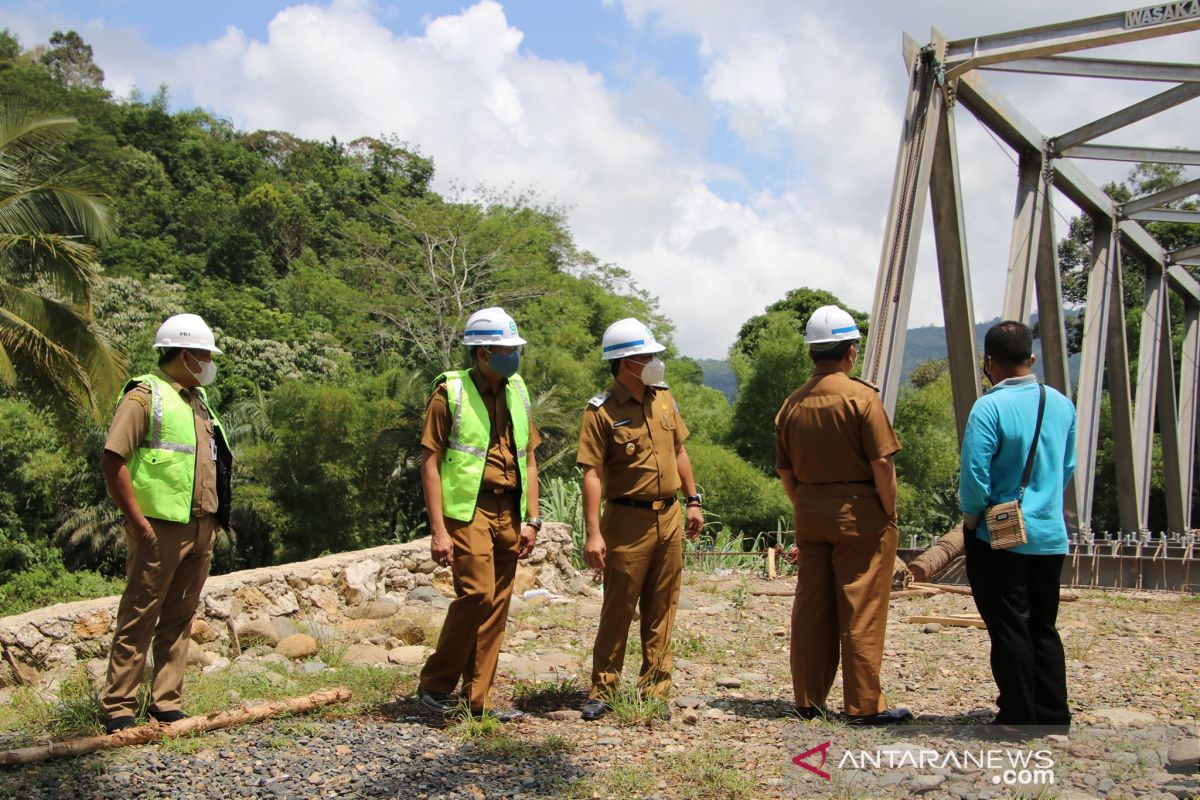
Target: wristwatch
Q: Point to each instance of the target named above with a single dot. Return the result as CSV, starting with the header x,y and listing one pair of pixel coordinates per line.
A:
x,y
535,523
694,500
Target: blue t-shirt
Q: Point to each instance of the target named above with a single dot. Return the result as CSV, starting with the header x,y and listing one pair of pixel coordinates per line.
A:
x,y
995,447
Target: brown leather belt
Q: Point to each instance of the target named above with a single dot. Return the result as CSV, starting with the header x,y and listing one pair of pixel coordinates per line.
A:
x,y
652,505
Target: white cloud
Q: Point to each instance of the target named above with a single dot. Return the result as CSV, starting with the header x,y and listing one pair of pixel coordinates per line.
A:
x,y
814,91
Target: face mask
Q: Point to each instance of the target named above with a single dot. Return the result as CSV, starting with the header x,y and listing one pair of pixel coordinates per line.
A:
x,y
505,364
207,373
654,371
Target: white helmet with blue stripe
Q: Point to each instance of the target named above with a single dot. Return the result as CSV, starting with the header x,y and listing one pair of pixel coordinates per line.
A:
x,y
830,326
628,337
491,326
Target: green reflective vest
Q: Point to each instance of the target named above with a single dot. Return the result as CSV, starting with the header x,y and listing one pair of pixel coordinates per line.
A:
x,y
470,435
163,468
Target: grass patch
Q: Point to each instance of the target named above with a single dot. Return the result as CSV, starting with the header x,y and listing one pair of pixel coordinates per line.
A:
x,y
689,644
633,651
332,643
508,747
540,696
629,708
704,775
469,728
622,782
39,715
1080,646
370,687
188,745
36,716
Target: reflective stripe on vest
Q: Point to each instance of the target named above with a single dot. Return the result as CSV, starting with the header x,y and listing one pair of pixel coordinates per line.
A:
x,y
470,435
163,468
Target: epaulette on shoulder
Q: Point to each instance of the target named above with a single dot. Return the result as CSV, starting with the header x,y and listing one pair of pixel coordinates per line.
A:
x,y
599,399
865,383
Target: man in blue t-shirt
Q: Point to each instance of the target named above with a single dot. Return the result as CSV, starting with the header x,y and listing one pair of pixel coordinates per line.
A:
x,y
1016,590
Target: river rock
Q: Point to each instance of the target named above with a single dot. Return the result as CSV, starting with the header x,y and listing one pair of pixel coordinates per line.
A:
x,y
1184,756
408,655
359,582
297,646
366,655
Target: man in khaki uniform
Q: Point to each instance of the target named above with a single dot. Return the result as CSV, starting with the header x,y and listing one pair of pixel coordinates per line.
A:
x,y
167,466
479,465
834,450
631,450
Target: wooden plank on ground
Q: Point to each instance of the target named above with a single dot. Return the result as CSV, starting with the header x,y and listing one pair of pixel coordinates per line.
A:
x,y
953,588
912,594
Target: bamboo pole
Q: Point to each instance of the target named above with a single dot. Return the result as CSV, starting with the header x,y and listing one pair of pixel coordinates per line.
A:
x,y
154,731
771,563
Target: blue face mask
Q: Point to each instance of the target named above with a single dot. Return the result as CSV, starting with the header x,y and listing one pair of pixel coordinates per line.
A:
x,y
505,364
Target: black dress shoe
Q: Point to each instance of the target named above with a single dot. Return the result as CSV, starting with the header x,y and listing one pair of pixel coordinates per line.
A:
x,y
499,714
594,709
167,717
438,701
115,724
810,712
891,716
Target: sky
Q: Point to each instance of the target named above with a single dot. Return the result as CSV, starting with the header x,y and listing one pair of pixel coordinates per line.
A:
x,y
723,153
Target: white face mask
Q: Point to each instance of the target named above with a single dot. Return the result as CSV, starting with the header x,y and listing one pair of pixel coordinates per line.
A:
x,y
654,371
207,373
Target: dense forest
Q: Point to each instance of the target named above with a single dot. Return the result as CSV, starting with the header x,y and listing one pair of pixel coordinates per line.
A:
x,y
337,281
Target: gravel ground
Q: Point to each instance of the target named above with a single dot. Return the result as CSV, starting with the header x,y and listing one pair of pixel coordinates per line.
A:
x,y
1133,667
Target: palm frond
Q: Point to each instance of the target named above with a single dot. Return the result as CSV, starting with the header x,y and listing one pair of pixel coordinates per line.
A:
x,y
25,136
249,420
53,204
91,533
64,262
59,350
8,375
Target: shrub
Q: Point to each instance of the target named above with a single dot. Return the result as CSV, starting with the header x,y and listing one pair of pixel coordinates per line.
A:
x,y
51,582
745,499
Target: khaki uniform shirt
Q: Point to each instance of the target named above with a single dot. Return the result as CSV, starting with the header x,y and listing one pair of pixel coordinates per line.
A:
x,y
500,469
131,421
832,428
634,442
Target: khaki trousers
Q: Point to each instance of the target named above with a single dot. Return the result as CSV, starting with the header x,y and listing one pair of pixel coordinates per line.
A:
x,y
847,550
485,563
163,588
643,567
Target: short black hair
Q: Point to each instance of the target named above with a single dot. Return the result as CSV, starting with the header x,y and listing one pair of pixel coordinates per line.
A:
x,y
167,355
835,353
615,365
1009,343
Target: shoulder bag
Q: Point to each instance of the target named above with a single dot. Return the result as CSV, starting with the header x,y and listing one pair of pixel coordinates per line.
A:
x,y
1005,522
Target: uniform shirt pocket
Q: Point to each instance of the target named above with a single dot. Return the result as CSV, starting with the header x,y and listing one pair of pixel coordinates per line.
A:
x,y
667,421
625,442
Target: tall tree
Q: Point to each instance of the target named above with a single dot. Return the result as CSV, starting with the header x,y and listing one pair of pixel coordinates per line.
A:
x,y
69,60
48,271
442,260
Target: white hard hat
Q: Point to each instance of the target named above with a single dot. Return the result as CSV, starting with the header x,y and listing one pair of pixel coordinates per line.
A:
x,y
187,331
491,326
628,337
830,325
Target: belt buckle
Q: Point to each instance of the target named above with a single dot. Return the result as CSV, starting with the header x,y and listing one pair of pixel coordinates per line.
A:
x,y
658,505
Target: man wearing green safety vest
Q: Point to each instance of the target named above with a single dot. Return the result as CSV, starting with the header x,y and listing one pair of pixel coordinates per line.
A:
x,y
167,466
479,474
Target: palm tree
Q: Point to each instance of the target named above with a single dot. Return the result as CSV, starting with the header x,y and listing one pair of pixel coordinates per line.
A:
x,y
48,270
